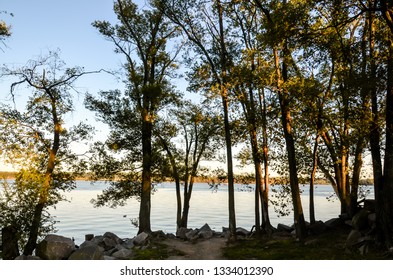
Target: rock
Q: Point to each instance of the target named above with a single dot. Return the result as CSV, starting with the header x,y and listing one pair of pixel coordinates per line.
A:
x,y
360,220
123,254
89,237
181,232
192,235
9,242
109,243
113,237
27,258
99,240
128,244
282,227
353,238
87,253
205,232
243,232
158,234
141,239
335,222
55,247
317,228
91,244
372,220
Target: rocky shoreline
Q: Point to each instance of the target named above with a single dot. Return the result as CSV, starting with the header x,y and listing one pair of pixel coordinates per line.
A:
x,y
109,246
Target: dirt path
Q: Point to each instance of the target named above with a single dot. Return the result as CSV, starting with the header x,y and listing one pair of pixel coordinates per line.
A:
x,y
209,249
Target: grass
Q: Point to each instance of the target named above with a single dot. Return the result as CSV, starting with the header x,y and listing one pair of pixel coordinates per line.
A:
x,y
327,246
156,251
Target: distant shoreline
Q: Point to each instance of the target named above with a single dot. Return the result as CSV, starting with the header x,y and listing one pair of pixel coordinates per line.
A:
x,y
273,180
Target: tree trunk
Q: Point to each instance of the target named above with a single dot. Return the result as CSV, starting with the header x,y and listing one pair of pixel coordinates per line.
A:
x,y
9,243
228,141
47,184
145,204
312,179
286,121
266,225
387,189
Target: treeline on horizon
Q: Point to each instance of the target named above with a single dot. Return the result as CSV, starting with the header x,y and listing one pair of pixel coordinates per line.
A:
x,y
304,87
244,179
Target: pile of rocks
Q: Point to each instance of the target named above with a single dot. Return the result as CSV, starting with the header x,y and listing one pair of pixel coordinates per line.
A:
x,y
363,230
206,232
106,247
111,247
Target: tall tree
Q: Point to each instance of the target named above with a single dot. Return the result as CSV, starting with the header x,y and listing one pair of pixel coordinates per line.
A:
x,y
36,138
203,24
248,79
279,26
199,131
142,37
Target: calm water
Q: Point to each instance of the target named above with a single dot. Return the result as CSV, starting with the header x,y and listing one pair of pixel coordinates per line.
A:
x,y
78,217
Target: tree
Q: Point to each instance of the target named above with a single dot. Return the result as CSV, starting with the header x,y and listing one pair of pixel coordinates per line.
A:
x,y
141,36
198,130
280,21
203,24
248,78
36,140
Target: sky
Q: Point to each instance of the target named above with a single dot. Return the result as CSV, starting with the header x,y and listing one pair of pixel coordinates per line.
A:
x,y
41,26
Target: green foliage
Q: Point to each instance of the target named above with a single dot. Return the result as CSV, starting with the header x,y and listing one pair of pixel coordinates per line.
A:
x,y
17,201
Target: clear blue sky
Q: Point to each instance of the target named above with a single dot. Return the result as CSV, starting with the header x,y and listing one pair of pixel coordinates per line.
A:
x,y
39,26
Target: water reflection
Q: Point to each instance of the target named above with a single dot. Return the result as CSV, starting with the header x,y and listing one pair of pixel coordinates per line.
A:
x,y
79,217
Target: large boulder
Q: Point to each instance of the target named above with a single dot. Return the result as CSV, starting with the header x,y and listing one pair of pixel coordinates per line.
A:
x,y
284,228
123,254
113,237
55,247
87,253
317,228
242,231
9,243
192,235
141,239
353,238
205,232
360,220
181,232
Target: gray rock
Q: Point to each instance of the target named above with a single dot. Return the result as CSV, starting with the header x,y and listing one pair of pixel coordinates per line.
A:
x,y
181,232
55,247
109,243
91,244
243,232
360,220
113,237
205,232
353,238
128,244
317,228
123,254
89,237
372,220
192,235
158,234
282,227
141,239
87,253
332,223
